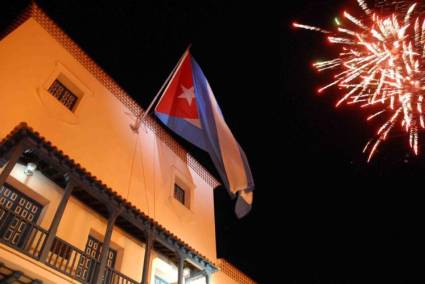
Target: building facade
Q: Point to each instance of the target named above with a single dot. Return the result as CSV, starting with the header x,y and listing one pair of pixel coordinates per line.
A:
x,y
83,197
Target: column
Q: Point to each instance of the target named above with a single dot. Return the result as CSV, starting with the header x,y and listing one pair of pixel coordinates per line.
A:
x,y
56,219
100,269
180,267
150,239
207,277
14,157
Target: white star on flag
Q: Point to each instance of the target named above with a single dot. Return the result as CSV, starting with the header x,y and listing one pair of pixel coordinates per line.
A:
x,y
188,94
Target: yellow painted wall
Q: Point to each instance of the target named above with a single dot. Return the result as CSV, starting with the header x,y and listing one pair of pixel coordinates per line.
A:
x,y
139,167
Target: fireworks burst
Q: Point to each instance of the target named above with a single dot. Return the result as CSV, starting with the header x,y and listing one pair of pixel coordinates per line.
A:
x,y
380,67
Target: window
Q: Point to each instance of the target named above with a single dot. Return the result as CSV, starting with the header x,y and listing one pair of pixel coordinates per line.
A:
x,y
160,280
93,249
15,228
63,94
180,194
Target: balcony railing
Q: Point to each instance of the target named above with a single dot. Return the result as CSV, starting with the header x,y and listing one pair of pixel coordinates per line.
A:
x,y
29,239
71,261
114,277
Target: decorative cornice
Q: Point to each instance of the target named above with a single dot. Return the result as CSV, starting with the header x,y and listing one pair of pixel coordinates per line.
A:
x,y
233,272
35,12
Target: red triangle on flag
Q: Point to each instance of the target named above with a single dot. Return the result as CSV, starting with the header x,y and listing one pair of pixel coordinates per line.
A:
x,y
179,98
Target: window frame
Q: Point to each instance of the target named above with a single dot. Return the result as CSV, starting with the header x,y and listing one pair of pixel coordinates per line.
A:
x,y
112,245
185,183
71,82
180,194
65,92
159,280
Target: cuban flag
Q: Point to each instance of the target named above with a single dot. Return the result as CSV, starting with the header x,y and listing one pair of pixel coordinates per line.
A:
x,y
189,108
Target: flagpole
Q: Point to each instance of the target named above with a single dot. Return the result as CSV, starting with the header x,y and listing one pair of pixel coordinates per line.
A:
x,y
141,117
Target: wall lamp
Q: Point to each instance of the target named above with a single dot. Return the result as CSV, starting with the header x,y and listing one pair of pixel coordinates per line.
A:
x,y
30,169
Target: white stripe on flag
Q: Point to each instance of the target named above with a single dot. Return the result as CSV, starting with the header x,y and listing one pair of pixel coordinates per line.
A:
x,y
231,155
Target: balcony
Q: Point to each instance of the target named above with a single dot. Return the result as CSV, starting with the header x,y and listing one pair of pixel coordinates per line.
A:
x,y
30,240
25,146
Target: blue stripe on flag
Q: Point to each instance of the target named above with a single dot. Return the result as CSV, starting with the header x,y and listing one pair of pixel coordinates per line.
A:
x,y
185,129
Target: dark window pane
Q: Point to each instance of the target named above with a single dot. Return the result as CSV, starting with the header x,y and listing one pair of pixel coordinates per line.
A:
x,y
64,95
179,194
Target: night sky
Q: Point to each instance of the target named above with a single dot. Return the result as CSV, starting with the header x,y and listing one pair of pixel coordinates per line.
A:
x,y
321,214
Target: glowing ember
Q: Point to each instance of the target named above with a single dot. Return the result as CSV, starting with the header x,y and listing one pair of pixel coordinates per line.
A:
x,y
380,67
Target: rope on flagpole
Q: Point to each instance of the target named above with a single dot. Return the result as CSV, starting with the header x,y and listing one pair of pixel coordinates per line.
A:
x,y
141,117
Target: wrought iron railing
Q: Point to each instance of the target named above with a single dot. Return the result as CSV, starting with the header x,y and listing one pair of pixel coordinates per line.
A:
x,y
63,256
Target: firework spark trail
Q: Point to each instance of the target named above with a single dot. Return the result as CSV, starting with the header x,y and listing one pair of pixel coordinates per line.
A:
x,y
363,4
380,65
311,28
